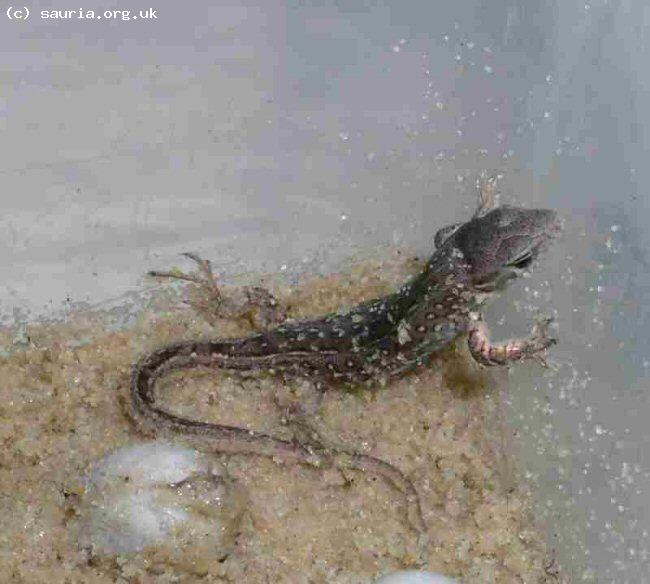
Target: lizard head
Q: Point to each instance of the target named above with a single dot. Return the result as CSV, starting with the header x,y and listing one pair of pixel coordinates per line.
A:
x,y
498,245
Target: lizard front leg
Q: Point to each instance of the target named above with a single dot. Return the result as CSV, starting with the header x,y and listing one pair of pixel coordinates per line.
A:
x,y
487,191
261,308
488,353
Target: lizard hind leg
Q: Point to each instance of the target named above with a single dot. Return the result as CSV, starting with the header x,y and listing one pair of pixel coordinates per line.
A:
x,y
312,435
260,308
490,354
209,301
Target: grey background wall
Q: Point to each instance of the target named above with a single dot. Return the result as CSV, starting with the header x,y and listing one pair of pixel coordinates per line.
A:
x,y
282,136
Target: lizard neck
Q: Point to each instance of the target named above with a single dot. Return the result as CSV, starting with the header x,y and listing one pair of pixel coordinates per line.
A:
x,y
441,292
445,273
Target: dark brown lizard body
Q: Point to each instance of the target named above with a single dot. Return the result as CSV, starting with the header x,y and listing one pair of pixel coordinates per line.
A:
x,y
373,341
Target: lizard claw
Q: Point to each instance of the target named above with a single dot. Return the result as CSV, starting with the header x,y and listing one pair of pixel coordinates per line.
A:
x,y
544,363
540,340
194,256
204,265
210,299
540,332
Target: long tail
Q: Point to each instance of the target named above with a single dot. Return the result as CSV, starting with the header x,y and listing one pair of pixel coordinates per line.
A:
x,y
234,440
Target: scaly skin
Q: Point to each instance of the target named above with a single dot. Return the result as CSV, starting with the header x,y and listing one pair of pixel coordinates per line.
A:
x,y
374,341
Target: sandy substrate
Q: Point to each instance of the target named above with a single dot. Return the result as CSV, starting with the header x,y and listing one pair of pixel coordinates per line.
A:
x,y
62,407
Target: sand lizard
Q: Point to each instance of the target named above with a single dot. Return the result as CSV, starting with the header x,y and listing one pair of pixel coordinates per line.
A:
x,y
374,340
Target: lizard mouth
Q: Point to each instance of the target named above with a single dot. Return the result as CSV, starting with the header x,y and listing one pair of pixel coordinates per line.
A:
x,y
496,280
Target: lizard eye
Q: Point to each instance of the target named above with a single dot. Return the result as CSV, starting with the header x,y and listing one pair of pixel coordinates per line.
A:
x,y
443,234
522,262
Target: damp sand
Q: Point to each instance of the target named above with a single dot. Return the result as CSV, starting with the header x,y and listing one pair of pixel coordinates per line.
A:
x,y
62,407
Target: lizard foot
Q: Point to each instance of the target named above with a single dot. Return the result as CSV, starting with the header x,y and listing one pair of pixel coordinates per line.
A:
x,y
540,340
531,347
299,414
260,308
209,302
487,190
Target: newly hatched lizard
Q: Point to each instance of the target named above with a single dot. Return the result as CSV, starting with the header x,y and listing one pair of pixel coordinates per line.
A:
x,y
375,340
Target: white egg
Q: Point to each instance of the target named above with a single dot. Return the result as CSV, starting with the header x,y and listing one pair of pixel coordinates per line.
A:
x,y
158,495
415,577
